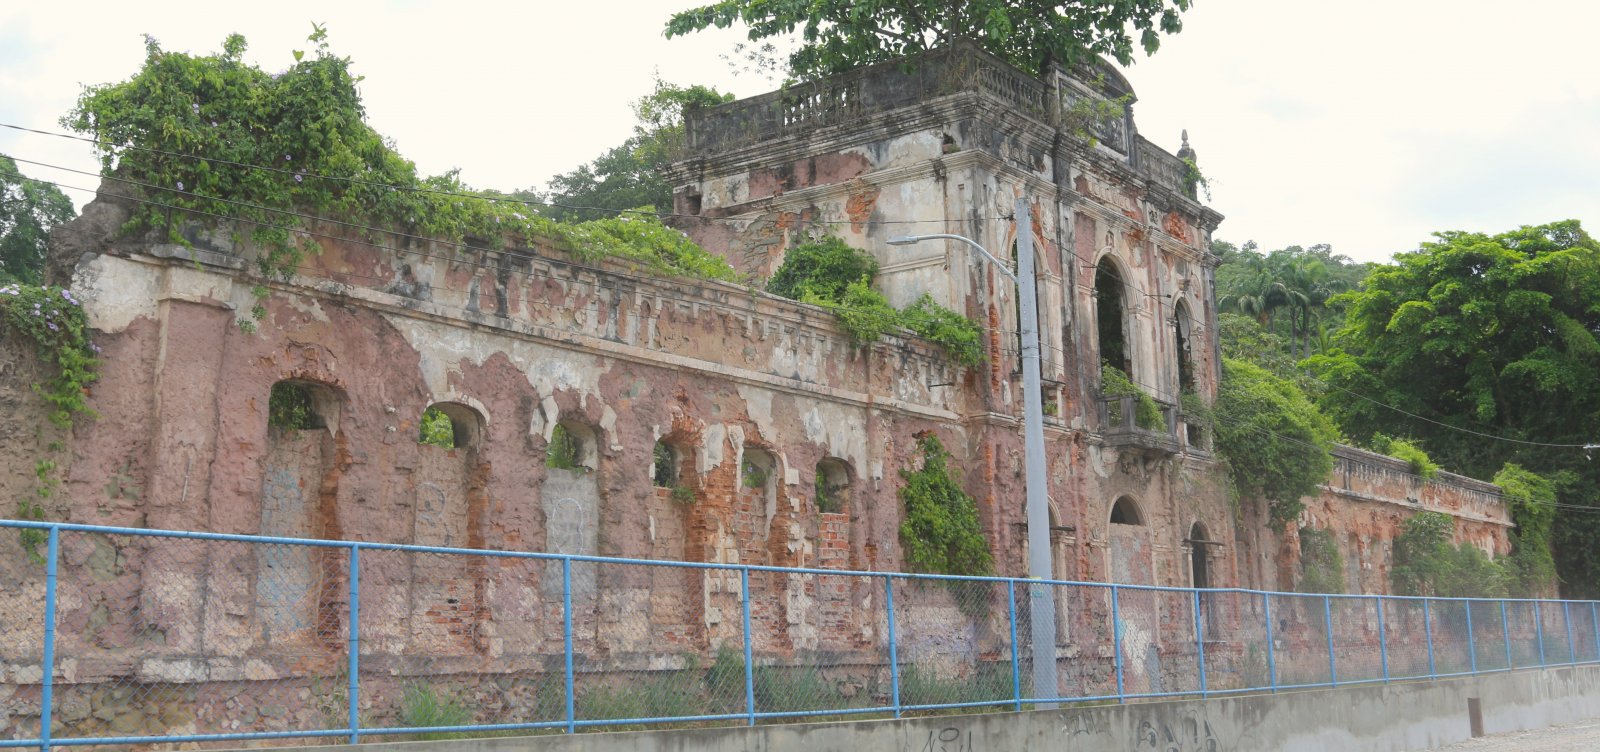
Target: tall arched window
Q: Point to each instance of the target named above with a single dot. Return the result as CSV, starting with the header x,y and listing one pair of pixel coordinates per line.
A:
x,y
1111,317
1181,328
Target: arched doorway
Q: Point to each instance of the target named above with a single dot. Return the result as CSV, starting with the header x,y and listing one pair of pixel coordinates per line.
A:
x,y
1110,317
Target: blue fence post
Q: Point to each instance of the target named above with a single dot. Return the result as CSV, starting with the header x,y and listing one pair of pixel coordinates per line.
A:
x,y
1566,616
1538,627
1016,655
355,643
1116,642
1383,641
1272,666
1505,629
1594,620
1472,647
749,662
1427,627
1327,622
566,639
894,656
48,658
1199,644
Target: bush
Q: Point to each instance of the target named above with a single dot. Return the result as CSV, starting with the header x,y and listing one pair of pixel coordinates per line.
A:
x,y
1147,414
1274,441
1427,563
940,532
421,707
1408,452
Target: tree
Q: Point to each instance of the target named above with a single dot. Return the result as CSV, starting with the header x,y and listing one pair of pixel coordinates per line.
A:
x,y
28,209
1275,442
1495,335
838,35
628,176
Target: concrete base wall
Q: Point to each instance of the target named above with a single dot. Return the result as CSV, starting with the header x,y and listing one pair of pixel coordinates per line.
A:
x,y
1372,718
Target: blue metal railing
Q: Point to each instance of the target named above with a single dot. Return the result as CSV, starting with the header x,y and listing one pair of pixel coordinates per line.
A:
x,y
810,643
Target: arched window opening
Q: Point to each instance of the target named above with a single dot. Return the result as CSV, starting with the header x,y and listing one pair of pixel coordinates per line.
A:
x,y
1125,512
756,470
301,405
449,425
1182,327
1110,317
833,486
664,472
571,447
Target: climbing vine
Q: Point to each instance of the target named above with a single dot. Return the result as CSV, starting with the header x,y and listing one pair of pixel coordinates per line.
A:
x,y
1274,442
1532,501
54,322
940,532
1427,563
831,274
1406,451
283,148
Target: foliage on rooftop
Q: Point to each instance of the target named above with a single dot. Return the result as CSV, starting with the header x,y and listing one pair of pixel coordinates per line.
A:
x,y
210,138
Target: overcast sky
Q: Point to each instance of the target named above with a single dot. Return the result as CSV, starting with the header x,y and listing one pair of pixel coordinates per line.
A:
x,y
1366,124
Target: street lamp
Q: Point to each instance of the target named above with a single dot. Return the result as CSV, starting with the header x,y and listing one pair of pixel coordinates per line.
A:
x,y
1042,611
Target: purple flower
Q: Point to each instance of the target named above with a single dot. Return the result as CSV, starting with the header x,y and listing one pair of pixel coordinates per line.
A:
x,y
53,327
297,177
286,157
180,185
95,348
196,107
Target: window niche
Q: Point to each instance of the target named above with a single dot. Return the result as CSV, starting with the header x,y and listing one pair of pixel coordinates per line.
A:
x,y
1182,327
832,486
572,447
294,405
757,471
449,425
666,472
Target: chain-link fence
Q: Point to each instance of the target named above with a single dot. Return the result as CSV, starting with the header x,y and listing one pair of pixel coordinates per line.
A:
x,y
169,637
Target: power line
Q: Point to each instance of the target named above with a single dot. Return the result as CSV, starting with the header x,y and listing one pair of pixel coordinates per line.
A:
x,y
436,191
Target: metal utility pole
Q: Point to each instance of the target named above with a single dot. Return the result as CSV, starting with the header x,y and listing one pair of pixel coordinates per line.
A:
x,y
1041,597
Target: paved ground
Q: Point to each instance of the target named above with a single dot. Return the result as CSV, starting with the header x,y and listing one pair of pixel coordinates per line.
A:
x,y
1576,737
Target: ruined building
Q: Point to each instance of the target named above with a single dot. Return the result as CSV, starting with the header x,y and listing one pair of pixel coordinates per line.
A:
x,y
697,420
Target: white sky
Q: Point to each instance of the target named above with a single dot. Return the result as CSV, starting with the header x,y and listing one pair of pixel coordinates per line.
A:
x,y
1362,123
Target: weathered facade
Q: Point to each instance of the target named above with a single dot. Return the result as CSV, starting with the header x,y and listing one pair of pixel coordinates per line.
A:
x,y
703,414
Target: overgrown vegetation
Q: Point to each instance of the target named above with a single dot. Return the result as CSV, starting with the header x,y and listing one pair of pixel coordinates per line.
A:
x,y
834,275
939,531
307,150
1146,413
829,497
1427,563
1531,569
53,321
1321,564
564,451
422,707
290,407
436,429
1274,442
1408,452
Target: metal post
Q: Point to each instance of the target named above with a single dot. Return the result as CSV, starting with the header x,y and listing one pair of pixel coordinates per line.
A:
x,y
1016,656
354,689
1199,644
1383,641
48,659
1272,666
1594,620
1042,609
1538,626
1572,650
1427,626
1472,647
894,657
566,637
1116,641
1505,630
1327,622
749,663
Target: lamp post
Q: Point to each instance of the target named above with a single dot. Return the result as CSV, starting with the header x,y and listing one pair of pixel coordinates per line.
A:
x,y
1042,603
